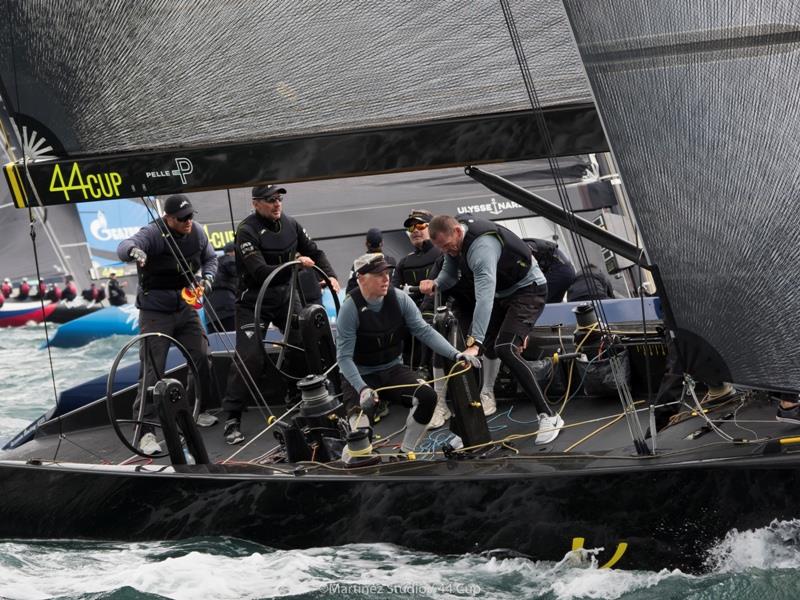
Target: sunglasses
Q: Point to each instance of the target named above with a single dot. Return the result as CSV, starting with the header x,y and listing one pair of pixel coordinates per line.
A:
x,y
272,199
186,218
417,227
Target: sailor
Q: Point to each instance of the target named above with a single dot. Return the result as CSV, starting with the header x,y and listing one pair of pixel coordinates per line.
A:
x,y
265,240
70,291
41,290
53,293
374,243
6,288
222,299
168,256
370,330
24,289
590,284
116,295
556,266
2,299
93,293
510,293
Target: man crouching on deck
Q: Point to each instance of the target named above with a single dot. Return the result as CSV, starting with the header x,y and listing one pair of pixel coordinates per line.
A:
x,y
370,330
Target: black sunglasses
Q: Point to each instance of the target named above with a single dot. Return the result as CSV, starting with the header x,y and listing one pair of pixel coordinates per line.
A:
x,y
186,218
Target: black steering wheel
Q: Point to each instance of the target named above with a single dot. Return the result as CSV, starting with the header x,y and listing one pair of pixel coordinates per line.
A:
x,y
193,394
290,313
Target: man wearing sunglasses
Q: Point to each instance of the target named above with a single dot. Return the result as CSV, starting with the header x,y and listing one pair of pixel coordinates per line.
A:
x,y
171,253
264,241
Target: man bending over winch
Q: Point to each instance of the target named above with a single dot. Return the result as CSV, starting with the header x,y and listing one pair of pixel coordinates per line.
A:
x,y
510,293
370,330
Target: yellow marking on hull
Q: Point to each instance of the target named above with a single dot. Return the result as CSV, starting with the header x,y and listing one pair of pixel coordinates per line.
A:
x,y
17,189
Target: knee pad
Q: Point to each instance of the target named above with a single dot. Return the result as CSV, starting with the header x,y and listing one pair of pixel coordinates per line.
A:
x,y
425,402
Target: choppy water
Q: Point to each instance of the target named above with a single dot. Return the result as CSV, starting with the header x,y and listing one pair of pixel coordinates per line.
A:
x,y
760,564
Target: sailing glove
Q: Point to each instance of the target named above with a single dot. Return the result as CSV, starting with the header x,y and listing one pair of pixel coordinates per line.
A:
x,y
472,361
139,256
208,283
368,400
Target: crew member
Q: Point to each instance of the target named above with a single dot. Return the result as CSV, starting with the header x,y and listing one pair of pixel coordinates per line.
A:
x,y
556,266
6,289
41,290
53,293
93,293
265,240
116,295
374,243
590,284
169,254
222,300
510,293
24,289
369,334
70,291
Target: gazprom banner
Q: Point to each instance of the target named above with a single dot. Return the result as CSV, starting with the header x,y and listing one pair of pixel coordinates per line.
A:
x,y
106,223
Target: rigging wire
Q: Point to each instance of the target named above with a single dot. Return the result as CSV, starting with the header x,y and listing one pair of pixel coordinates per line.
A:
x,y
635,427
185,268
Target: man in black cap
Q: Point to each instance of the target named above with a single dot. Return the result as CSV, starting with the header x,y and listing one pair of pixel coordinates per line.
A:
x,y
221,302
374,244
265,240
171,253
370,329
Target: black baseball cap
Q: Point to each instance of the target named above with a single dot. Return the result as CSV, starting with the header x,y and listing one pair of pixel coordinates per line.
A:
x,y
178,206
267,191
418,215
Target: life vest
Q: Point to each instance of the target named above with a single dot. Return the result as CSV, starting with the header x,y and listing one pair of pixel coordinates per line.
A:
x,y
277,246
515,259
418,265
6,289
70,291
543,251
163,272
380,335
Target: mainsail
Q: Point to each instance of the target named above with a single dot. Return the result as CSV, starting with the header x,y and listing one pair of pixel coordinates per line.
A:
x,y
151,97
701,105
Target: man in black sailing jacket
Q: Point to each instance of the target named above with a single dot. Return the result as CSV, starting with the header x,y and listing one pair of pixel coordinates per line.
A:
x,y
556,266
116,295
264,240
169,254
510,293
222,299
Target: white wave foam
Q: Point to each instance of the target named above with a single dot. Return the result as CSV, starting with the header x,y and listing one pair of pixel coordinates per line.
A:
x,y
776,546
180,571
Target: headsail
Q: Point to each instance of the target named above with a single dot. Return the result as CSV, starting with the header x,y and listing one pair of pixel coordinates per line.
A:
x,y
701,105
156,97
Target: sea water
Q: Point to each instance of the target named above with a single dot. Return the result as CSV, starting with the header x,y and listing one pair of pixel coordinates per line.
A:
x,y
760,564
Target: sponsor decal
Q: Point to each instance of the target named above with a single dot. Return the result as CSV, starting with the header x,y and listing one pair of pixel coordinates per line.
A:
x,y
102,232
493,207
183,167
89,186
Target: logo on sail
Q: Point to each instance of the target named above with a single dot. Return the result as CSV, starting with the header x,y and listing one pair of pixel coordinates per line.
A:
x,y
494,207
101,231
183,167
92,186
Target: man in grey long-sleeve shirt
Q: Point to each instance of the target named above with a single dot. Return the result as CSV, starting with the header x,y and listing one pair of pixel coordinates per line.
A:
x,y
370,330
510,293
169,254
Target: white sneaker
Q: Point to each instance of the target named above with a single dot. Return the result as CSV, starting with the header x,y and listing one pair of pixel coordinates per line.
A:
x,y
205,419
440,414
149,444
549,428
489,403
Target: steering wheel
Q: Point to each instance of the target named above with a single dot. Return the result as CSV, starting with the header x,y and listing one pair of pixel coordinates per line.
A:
x,y
290,313
193,380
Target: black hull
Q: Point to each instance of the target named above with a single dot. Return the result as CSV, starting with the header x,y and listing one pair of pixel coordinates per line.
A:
x,y
65,314
669,518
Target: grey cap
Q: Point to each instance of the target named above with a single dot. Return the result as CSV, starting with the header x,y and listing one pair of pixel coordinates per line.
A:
x,y
374,262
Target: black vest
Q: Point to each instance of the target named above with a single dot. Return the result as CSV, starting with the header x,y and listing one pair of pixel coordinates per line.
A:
x,y
277,246
226,278
543,251
515,258
418,265
380,335
163,272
